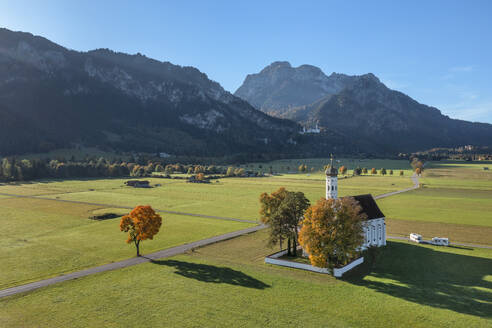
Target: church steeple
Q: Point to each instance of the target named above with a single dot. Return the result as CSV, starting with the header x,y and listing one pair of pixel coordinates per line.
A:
x,y
331,181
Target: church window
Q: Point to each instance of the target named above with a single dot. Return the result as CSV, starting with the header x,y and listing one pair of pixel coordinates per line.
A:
x,y
373,233
379,232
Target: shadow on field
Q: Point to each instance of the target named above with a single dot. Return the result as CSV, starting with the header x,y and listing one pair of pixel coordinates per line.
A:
x,y
427,276
213,274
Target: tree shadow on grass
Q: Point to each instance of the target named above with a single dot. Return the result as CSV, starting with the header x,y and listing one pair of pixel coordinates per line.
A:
x,y
213,274
428,276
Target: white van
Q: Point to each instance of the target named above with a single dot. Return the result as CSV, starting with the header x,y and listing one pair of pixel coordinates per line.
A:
x,y
440,241
415,237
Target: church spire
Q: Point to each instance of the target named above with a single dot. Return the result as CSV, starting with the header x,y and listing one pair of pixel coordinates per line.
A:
x,y
331,181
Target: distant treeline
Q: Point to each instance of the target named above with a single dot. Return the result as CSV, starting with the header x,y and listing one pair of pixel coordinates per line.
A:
x,y
12,169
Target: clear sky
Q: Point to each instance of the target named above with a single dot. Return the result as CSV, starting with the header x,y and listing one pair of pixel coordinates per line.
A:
x,y
437,52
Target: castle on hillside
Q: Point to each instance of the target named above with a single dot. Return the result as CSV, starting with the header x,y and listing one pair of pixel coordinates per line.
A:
x,y
310,130
374,225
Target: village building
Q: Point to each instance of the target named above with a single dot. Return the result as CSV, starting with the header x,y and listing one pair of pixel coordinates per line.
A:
x,y
138,183
374,225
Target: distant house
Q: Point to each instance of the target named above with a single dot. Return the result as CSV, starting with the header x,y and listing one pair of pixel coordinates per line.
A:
x,y
486,168
138,183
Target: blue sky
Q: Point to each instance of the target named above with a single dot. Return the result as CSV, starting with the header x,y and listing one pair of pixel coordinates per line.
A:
x,y
437,52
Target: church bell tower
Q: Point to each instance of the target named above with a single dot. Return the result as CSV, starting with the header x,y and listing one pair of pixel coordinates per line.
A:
x,y
331,181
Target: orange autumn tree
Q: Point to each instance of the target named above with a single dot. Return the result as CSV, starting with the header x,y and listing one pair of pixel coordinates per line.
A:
x,y
331,232
142,223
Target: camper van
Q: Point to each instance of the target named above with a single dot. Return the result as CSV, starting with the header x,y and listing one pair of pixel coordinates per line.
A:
x,y
415,237
440,241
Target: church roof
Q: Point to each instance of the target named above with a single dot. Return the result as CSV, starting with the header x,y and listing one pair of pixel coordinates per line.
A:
x,y
369,206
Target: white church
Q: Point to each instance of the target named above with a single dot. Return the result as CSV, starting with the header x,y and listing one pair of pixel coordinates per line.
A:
x,y
374,225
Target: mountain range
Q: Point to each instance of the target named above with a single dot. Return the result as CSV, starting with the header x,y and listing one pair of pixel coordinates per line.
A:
x,y
360,109
52,97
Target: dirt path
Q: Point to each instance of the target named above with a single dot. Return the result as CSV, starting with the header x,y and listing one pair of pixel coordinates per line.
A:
x,y
415,180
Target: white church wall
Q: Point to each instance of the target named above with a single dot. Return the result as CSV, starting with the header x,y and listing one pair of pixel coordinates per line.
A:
x,y
374,233
337,272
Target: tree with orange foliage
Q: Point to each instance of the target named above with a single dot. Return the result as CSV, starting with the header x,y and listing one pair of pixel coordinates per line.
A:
x,y
342,170
200,176
332,232
418,171
142,223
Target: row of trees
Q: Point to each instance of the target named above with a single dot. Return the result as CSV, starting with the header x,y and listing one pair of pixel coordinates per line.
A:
x,y
330,231
12,169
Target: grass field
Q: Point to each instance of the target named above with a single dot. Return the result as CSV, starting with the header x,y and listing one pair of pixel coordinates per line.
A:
x,y
230,197
317,165
47,238
458,195
228,285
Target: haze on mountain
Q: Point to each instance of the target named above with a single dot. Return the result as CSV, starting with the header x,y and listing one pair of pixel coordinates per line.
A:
x,y
359,109
52,97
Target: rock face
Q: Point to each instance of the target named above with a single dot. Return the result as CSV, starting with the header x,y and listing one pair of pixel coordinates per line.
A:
x,y
52,97
359,109
280,86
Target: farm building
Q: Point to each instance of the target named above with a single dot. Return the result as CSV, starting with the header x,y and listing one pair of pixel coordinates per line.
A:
x,y
138,183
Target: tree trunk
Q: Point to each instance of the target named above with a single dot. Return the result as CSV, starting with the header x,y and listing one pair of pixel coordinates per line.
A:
x,y
294,247
288,247
137,245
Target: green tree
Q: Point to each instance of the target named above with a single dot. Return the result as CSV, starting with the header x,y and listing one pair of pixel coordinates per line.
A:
x,y
383,171
282,211
230,171
364,170
401,173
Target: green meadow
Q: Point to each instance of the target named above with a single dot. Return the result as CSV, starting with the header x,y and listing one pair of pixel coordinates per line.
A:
x,y
317,165
456,195
227,197
47,238
228,285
